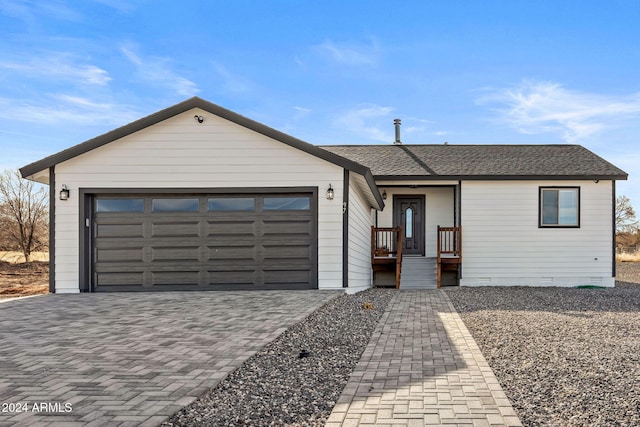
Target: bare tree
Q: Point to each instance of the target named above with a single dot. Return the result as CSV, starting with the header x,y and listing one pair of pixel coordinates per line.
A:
x,y
625,216
23,214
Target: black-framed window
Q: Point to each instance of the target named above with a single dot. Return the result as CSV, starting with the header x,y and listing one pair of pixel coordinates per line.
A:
x,y
119,205
287,203
559,207
232,204
183,204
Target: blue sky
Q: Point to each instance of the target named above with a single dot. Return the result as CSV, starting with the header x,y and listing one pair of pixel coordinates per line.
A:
x,y
330,72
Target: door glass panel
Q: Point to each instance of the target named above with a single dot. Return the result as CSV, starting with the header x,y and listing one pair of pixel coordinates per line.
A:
x,y
231,204
408,223
120,205
287,203
175,205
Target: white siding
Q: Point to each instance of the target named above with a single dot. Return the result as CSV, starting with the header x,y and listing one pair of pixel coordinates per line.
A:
x,y
181,153
439,209
502,244
360,222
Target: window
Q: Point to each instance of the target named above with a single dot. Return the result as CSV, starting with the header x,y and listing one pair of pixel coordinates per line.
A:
x,y
231,204
287,204
120,205
559,207
175,205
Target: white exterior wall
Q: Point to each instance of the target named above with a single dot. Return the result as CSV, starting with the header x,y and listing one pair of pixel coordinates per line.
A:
x,y
360,222
181,153
439,210
502,244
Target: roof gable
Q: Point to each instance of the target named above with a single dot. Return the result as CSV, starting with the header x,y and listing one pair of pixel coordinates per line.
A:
x,y
189,104
196,102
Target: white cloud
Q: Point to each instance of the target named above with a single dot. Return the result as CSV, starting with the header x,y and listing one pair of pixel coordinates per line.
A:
x,y
121,6
158,71
231,82
301,112
67,109
546,107
60,66
30,12
350,53
365,120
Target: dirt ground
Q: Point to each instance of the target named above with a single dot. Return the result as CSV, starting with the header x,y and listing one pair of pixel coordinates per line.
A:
x,y
22,279
627,274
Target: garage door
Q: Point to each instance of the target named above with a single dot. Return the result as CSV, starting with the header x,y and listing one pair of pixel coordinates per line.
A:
x,y
204,242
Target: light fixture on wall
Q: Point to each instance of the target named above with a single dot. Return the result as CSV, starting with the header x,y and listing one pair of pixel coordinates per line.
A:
x,y
64,193
384,194
330,193
198,118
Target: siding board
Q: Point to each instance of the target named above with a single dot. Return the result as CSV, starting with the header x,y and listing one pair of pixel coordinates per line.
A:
x,y
502,243
360,222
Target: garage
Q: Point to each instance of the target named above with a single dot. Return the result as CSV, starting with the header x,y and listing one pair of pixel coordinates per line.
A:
x,y
213,241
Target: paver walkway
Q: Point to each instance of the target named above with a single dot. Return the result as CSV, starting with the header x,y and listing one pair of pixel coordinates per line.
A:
x,y
131,359
422,367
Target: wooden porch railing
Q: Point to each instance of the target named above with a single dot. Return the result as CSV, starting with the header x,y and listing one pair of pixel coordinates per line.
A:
x,y
386,250
449,249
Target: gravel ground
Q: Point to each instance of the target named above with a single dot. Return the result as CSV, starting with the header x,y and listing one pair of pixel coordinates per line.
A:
x,y
278,387
565,357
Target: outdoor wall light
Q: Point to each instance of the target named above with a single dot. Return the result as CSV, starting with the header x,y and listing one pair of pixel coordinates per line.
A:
x,y
64,193
198,118
330,193
384,194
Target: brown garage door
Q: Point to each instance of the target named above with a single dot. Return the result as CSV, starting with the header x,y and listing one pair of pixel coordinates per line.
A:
x,y
204,242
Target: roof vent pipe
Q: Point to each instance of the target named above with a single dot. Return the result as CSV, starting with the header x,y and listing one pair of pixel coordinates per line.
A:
x,y
397,123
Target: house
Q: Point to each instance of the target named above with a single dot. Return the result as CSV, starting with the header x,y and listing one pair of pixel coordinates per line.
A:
x,y
198,197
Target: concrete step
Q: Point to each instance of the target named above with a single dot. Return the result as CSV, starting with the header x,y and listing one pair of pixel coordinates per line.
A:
x,y
418,273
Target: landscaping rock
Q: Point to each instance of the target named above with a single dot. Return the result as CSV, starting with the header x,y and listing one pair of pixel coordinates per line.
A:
x,y
564,357
278,387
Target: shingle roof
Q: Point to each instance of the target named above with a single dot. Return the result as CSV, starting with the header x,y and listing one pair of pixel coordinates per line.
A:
x,y
480,161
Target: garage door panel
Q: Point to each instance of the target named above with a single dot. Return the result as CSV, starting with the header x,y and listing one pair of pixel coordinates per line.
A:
x,y
178,229
284,265
276,277
230,228
231,252
292,251
232,277
120,279
175,278
213,247
237,240
120,230
247,264
175,254
119,255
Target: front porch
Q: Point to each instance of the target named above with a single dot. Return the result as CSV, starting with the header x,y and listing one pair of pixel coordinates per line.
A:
x,y
391,268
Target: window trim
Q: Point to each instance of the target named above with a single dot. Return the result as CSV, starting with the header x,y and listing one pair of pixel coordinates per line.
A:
x,y
579,209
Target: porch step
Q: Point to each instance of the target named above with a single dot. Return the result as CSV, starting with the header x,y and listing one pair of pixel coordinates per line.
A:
x,y
418,273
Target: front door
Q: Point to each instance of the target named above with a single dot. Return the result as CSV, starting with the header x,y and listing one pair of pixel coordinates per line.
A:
x,y
408,213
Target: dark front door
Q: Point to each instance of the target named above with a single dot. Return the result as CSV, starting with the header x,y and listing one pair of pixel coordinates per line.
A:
x,y
408,213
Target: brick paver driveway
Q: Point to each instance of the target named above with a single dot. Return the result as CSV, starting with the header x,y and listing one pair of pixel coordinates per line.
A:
x,y
131,359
